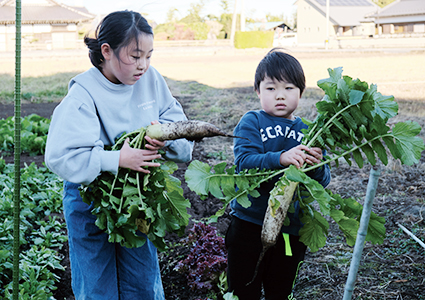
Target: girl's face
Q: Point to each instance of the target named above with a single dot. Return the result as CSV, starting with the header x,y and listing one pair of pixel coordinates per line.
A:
x,y
278,98
131,63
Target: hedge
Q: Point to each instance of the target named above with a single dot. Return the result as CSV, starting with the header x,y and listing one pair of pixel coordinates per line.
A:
x,y
254,39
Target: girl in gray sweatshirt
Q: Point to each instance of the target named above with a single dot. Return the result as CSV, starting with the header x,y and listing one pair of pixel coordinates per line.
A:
x,y
121,93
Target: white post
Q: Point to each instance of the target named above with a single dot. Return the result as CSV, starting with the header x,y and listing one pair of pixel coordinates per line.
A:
x,y
327,25
372,184
243,16
232,34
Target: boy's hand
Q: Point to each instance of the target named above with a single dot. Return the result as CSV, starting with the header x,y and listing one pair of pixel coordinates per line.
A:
x,y
314,156
299,155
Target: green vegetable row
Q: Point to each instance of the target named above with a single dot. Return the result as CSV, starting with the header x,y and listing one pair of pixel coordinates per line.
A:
x,y
41,233
33,134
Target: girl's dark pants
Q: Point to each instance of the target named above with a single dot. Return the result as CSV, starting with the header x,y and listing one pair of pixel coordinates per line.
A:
x,y
276,273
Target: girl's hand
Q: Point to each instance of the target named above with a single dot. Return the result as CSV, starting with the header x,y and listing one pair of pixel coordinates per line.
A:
x,y
137,159
152,143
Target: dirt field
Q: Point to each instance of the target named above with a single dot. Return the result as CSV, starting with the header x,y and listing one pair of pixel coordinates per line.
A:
x,y
396,71
394,270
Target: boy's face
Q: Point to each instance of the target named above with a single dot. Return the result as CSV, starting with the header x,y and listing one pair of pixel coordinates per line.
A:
x,y
278,98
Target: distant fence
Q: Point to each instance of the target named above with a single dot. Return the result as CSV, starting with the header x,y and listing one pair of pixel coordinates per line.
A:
x,y
379,41
79,44
341,42
382,41
50,45
193,43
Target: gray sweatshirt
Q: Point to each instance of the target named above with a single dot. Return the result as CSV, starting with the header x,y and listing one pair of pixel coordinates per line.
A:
x,y
96,111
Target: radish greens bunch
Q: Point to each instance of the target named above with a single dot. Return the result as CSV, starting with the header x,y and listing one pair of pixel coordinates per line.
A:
x,y
130,203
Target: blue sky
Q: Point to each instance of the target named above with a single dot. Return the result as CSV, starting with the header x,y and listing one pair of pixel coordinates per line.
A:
x,y
157,9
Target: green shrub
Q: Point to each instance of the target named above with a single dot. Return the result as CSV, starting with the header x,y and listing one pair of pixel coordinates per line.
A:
x,y
254,39
167,28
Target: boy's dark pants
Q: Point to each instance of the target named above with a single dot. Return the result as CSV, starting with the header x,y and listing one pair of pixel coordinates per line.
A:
x,y
277,271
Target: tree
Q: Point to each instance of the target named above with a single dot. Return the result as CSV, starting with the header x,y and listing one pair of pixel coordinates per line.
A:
x,y
194,15
226,21
171,15
225,6
276,18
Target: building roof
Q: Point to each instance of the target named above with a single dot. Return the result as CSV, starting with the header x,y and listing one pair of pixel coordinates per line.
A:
x,y
43,12
345,12
402,8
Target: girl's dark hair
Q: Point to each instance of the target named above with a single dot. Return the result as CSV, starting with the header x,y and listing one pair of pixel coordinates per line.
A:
x,y
280,66
118,29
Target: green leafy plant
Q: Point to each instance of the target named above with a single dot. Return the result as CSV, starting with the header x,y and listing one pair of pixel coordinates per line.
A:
x,y
33,134
221,155
130,203
48,234
35,269
351,124
230,296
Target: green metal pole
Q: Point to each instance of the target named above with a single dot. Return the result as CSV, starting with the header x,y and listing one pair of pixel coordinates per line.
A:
x,y
17,158
375,172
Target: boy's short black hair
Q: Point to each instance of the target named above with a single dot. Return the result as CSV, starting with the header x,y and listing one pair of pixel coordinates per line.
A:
x,y
280,66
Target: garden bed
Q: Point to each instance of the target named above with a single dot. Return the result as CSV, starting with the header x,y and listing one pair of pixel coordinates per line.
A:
x,y
393,270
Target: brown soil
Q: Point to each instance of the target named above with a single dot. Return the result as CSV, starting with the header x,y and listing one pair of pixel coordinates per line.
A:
x,y
393,270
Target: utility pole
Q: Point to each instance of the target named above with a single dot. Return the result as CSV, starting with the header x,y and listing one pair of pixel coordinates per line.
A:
x,y
232,33
243,16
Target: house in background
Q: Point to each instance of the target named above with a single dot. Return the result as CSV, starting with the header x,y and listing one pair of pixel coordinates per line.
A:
x,y
46,24
401,17
266,26
346,18
284,36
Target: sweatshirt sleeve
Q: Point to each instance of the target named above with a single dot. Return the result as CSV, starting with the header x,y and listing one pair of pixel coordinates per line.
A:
x,y
74,150
250,153
322,174
178,150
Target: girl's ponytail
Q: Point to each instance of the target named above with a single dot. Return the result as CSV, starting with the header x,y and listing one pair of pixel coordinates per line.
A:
x,y
95,54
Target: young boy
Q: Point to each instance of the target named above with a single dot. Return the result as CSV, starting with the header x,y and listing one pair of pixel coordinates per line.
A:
x,y
275,138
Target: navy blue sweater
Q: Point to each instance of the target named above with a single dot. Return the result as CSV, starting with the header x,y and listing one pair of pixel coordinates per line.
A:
x,y
268,137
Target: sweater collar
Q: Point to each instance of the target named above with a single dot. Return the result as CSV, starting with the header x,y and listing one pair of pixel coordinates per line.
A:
x,y
296,120
104,82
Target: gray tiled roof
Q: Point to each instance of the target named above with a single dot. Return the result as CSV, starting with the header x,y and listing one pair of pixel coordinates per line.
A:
x,y
403,8
346,12
44,14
